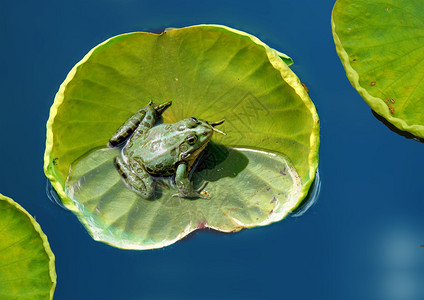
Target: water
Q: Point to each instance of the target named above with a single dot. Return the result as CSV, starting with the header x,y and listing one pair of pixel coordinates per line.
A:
x,y
310,199
360,240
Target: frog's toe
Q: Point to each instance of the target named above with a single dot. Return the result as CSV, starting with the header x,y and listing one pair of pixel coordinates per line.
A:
x,y
193,193
161,107
199,193
200,189
204,195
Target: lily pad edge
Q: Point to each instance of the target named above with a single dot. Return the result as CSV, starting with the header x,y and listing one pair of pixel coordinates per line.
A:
x,y
46,245
376,104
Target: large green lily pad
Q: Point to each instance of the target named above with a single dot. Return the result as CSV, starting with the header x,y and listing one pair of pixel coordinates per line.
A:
x,y
381,45
27,268
210,72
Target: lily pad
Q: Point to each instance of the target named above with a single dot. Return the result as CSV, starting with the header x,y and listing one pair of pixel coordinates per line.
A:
x,y
210,72
27,269
381,45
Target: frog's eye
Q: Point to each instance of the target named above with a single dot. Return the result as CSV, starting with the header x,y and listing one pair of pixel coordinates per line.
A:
x,y
191,139
192,122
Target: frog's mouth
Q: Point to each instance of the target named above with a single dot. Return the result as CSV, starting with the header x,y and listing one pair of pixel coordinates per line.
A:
x,y
213,124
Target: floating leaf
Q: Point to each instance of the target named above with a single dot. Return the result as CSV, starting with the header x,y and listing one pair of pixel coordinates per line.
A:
x,y
208,71
381,45
27,268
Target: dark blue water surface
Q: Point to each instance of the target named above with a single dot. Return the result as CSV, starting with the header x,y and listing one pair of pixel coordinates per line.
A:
x,y
361,240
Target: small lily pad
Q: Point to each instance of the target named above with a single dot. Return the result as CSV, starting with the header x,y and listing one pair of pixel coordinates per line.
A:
x,y
380,44
27,269
210,72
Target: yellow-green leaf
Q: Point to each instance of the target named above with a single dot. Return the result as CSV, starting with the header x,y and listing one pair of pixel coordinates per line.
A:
x,y
27,269
381,45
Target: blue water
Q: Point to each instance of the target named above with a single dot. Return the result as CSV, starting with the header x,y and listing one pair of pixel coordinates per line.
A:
x,y
360,240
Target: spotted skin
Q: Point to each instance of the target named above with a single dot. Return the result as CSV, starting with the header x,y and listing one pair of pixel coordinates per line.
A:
x,y
139,182
161,150
127,128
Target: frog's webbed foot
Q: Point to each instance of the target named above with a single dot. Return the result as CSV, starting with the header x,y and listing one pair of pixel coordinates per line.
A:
x,y
190,192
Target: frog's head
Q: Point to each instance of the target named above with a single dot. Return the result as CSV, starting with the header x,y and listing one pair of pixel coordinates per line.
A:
x,y
197,134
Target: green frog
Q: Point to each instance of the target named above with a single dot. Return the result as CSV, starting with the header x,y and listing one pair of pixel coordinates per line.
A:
x,y
163,150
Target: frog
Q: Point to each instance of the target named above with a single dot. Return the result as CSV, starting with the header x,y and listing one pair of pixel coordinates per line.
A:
x,y
167,149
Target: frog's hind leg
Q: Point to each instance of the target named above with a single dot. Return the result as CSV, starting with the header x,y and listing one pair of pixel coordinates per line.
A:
x,y
142,120
153,112
128,127
141,183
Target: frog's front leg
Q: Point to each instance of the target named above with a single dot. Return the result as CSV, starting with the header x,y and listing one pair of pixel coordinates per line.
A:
x,y
140,182
185,186
142,120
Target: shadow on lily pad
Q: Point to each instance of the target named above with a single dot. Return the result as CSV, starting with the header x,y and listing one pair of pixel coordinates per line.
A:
x,y
216,154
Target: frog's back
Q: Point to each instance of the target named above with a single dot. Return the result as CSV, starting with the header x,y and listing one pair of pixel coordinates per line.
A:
x,y
156,150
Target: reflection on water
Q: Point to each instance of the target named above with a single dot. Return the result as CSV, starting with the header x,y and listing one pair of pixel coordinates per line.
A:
x,y
310,199
399,261
53,196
